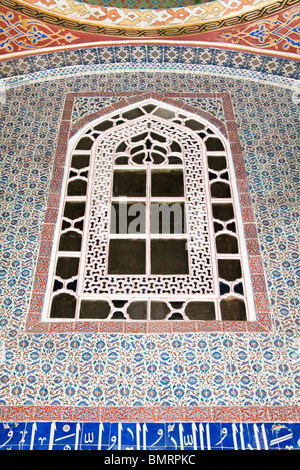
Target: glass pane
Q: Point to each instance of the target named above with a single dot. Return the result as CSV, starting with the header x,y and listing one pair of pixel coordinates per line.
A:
x,y
220,189
67,267
80,161
167,183
63,306
169,257
128,218
77,187
127,257
217,163
70,241
74,210
223,211
167,218
200,311
233,308
214,144
229,269
97,309
137,310
130,183
226,244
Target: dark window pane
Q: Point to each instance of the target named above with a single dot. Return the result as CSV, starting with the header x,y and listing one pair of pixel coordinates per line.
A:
x,y
224,288
238,288
77,187
139,158
137,310
176,147
84,144
229,269
174,160
70,241
169,257
139,137
103,126
194,125
214,144
118,315
133,113
231,226
164,113
80,161
220,189
63,306
98,309
226,244
57,285
74,210
67,267
159,310
233,309
223,211
176,316
131,183
218,227
127,257
123,160
217,163
157,158
149,107
167,183
200,311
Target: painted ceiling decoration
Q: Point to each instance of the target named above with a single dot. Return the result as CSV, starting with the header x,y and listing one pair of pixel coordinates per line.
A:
x,y
278,34
95,18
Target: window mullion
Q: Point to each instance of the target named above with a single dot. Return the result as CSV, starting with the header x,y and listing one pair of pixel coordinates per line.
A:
x,y
148,208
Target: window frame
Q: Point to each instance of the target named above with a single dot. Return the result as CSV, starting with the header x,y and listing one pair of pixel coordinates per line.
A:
x,y
255,324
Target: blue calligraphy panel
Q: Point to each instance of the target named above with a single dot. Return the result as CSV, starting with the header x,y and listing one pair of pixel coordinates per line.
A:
x,y
149,436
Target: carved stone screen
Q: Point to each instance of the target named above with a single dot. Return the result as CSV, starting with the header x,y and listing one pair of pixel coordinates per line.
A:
x,y
149,227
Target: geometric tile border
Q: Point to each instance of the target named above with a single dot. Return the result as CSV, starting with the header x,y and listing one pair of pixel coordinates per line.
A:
x,y
150,414
139,54
229,129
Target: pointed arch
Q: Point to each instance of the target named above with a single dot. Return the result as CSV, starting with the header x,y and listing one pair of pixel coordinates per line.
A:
x,y
215,283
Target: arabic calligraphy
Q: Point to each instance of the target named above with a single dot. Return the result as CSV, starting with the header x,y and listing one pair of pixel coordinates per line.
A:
x,y
149,436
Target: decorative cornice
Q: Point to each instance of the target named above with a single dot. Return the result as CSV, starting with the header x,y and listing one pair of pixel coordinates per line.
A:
x,y
134,23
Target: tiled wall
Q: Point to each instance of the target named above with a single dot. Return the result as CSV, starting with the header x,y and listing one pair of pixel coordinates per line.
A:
x,y
172,377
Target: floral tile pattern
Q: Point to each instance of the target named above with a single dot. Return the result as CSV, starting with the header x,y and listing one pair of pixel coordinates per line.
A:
x,y
196,376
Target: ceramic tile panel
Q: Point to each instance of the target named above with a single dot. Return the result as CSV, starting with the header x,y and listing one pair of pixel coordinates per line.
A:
x,y
207,376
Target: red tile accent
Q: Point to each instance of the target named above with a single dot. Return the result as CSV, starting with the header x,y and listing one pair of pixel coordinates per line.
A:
x,y
249,414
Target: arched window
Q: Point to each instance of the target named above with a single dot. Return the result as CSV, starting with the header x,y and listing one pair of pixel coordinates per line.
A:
x,y
149,227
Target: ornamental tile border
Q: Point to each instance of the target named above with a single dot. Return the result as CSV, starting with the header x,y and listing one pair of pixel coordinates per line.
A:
x,y
97,59
150,414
